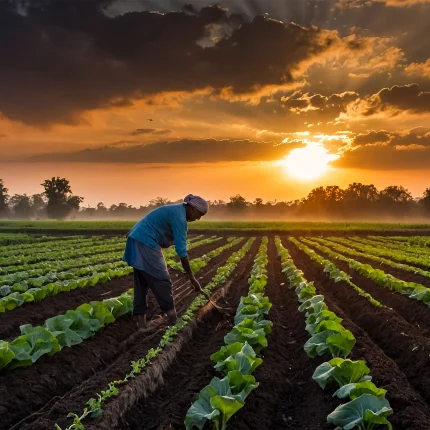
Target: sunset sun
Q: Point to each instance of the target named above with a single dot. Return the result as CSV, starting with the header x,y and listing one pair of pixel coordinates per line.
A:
x,y
309,162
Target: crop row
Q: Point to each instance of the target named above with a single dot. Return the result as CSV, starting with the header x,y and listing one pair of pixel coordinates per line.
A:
x,y
22,272
367,406
353,252
19,239
38,250
93,408
333,272
21,281
236,361
75,326
36,294
383,251
411,289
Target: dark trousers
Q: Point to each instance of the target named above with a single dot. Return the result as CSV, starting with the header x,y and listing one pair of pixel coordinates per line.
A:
x,y
161,288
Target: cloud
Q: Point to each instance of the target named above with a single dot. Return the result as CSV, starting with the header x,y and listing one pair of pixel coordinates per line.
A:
x,y
391,102
181,151
155,131
388,150
305,102
68,57
355,4
418,69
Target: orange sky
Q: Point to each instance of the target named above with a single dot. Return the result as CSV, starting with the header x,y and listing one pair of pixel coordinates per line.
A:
x,y
218,100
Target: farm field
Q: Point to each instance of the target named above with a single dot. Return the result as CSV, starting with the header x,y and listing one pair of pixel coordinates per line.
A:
x,y
106,227
302,332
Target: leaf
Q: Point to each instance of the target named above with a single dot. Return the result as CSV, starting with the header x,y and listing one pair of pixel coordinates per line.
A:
x,y
6,354
341,344
241,385
317,344
364,409
311,302
227,406
59,326
356,389
244,361
201,410
340,371
37,293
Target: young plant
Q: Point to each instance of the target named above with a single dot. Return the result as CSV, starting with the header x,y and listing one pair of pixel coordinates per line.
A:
x,y
364,413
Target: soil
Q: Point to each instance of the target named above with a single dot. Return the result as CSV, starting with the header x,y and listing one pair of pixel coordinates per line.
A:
x,y
397,352
85,368
287,392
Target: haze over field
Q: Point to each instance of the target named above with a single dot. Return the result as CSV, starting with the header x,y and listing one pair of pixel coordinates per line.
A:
x,y
130,100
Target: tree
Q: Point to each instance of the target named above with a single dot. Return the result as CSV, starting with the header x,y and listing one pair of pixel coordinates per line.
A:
x,y
61,200
258,202
38,206
159,201
396,194
4,198
425,201
237,202
101,208
21,206
364,193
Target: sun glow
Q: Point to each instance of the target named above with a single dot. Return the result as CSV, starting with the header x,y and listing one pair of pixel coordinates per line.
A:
x,y
309,162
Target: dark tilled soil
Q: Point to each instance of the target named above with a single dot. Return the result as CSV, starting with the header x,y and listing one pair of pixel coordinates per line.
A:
x,y
287,394
167,407
24,391
385,341
36,313
413,311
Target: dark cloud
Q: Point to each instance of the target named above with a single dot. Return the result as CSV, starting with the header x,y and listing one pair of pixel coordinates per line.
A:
x,y
155,131
139,131
68,56
181,151
334,103
389,150
393,101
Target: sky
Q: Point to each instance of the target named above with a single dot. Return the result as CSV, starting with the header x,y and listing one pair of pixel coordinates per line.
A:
x,y
130,100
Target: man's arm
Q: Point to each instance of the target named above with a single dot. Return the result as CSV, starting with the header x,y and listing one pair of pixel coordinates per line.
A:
x,y
186,265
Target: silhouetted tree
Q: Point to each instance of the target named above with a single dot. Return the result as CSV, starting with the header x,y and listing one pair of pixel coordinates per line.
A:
x,y
159,201
38,205
237,202
396,194
20,206
61,201
4,197
258,202
425,201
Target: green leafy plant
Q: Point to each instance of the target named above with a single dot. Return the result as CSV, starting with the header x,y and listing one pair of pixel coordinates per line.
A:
x,y
365,413
341,372
237,356
220,400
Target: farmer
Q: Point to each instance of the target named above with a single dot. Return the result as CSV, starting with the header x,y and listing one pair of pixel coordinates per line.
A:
x,y
161,228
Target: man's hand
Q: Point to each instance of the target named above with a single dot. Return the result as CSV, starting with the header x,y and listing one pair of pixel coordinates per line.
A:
x,y
196,284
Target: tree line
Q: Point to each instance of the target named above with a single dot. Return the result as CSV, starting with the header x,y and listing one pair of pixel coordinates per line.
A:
x,y
357,202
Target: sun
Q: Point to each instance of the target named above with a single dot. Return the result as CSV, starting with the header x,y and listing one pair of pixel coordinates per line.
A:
x,y
309,162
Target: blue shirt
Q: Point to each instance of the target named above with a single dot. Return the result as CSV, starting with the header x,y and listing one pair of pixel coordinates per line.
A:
x,y
163,227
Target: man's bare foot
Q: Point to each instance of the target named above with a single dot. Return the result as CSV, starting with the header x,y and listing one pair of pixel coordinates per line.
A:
x,y
172,317
141,322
